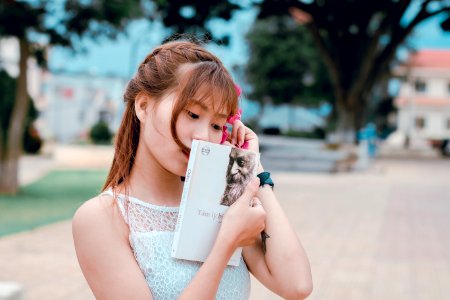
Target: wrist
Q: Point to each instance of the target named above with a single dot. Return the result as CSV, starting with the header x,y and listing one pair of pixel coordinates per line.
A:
x,y
265,179
260,168
227,242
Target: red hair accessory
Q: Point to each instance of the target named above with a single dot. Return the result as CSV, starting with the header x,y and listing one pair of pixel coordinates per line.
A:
x,y
238,89
237,116
231,120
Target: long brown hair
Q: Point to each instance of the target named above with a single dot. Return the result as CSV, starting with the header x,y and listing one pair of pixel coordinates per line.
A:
x,y
160,74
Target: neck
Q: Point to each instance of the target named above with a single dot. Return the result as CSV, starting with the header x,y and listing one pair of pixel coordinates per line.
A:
x,y
150,182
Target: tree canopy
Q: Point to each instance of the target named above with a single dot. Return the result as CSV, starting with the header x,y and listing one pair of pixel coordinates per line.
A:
x,y
284,65
358,41
41,23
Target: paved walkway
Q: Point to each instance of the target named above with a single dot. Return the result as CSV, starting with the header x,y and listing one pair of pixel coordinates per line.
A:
x,y
381,234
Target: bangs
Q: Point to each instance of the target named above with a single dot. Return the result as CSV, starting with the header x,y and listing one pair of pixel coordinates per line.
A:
x,y
207,83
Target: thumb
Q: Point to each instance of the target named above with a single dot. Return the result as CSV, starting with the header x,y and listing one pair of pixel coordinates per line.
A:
x,y
250,191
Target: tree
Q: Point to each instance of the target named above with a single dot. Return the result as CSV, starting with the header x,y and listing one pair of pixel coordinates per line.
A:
x,y
358,41
31,140
284,66
64,23
26,21
192,16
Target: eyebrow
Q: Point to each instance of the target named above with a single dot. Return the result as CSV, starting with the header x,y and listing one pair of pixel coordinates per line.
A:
x,y
205,108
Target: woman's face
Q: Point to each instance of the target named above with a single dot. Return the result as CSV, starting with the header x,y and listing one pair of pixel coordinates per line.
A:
x,y
197,121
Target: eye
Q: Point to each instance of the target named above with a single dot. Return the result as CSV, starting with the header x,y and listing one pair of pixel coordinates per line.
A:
x,y
192,115
240,162
217,127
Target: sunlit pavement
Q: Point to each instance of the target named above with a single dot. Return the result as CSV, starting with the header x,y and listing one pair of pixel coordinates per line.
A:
x,y
379,234
382,234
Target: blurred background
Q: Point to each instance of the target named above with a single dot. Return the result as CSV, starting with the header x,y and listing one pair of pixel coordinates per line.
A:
x,y
350,99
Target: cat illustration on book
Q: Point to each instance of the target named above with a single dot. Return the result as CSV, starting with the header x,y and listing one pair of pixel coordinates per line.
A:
x,y
240,170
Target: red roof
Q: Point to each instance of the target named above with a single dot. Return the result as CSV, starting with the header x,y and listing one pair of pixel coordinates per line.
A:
x,y
439,59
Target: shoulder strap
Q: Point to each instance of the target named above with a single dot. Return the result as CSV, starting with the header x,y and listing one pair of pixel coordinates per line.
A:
x,y
120,201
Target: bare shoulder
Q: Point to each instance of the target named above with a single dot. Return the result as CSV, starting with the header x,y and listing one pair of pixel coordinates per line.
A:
x,y
98,216
101,242
97,223
98,204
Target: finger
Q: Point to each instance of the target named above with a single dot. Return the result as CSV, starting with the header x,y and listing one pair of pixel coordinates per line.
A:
x,y
253,201
227,143
256,202
240,136
250,135
236,125
260,209
249,192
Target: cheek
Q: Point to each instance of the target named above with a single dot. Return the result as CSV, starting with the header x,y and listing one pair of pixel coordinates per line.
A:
x,y
183,130
217,136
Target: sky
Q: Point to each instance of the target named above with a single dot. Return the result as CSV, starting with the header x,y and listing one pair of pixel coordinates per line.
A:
x,y
121,57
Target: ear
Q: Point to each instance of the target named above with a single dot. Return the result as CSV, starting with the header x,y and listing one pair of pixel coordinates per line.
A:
x,y
141,106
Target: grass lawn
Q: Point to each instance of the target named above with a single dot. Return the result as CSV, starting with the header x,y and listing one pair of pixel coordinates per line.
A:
x,y
53,198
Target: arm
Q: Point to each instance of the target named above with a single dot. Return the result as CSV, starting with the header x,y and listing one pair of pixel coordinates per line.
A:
x,y
241,226
111,270
285,267
106,259
206,282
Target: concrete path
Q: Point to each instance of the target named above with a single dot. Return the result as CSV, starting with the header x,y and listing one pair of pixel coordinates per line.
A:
x,y
381,234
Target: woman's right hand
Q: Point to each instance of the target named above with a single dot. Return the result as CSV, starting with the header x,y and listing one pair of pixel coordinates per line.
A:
x,y
245,219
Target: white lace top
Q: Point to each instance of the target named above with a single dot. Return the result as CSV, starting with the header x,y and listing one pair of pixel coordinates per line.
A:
x,y
151,233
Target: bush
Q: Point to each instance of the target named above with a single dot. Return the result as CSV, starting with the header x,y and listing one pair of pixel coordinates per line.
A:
x,y
32,142
316,133
100,133
272,131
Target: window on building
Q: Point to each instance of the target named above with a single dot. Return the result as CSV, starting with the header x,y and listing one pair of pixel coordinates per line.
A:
x,y
448,88
82,116
420,122
448,124
420,86
105,116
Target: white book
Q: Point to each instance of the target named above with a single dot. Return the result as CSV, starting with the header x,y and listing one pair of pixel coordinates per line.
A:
x,y
216,176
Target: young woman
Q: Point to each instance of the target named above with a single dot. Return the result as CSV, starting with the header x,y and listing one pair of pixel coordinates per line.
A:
x,y
123,237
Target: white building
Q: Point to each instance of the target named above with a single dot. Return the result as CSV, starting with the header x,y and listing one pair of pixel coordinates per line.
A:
x,y
68,104
424,98
73,103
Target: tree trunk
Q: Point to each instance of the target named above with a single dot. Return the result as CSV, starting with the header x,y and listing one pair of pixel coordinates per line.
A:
x,y
12,148
8,179
345,129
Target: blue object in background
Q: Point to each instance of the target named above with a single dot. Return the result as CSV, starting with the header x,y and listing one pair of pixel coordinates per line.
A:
x,y
369,134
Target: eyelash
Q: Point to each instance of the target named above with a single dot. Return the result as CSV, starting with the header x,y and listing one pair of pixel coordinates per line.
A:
x,y
195,117
192,115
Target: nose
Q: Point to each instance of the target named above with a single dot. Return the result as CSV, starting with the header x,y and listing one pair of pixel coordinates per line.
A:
x,y
234,168
201,133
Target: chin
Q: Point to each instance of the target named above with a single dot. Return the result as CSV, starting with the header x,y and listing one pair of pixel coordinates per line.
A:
x,y
180,170
181,174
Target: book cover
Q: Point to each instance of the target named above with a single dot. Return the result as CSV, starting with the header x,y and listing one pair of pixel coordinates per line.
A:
x,y
216,176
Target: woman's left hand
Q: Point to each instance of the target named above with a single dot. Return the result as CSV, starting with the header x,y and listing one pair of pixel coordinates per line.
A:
x,y
241,136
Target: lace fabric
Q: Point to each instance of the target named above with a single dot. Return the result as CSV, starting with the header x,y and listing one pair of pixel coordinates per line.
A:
x,y
151,234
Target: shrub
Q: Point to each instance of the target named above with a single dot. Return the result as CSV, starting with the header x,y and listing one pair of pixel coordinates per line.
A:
x,y
100,133
32,141
316,133
272,131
